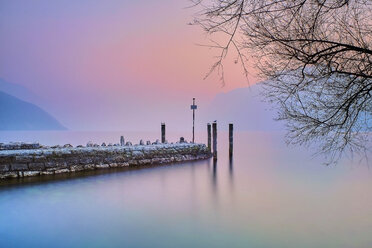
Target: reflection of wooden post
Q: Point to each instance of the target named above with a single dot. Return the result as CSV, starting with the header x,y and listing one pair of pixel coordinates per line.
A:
x,y
209,136
214,127
231,140
162,132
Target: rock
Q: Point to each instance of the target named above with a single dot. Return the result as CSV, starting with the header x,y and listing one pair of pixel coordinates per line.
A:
x,y
67,146
31,173
137,154
102,166
113,165
155,160
182,140
36,166
50,165
18,167
19,146
61,171
133,162
90,144
109,160
39,159
23,158
9,175
144,161
148,142
141,143
103,144
128,143
89,167
4,167
86,160
125,164
95,145
77,168
80,146
46,172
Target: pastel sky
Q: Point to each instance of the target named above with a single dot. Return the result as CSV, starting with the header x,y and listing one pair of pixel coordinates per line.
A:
x,y
113,64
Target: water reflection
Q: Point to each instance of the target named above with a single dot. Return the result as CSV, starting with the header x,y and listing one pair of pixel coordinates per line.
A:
x,y
231,175
214,175
266,196
222,184
231,169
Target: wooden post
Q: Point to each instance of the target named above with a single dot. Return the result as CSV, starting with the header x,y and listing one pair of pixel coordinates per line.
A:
x,y
214,127
231,140
122,142
162,132
209,137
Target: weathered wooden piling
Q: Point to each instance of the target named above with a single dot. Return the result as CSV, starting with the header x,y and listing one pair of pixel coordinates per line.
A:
x,y
209,137
214,127
231,140
162,132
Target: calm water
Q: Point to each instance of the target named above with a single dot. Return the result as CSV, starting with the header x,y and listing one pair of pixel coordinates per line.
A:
x,y
269,196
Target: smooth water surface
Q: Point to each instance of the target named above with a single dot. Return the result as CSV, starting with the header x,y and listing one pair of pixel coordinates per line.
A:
x,y
270,195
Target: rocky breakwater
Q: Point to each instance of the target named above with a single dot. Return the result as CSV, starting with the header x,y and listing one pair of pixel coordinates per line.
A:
x,y
46,161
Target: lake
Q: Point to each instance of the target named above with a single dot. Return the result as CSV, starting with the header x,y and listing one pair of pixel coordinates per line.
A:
x,y
270,195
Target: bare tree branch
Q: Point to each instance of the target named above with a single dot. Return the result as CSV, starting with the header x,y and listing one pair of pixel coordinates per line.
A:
x,y
316,58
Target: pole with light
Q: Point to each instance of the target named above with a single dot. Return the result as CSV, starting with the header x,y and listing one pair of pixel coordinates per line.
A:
x,y
193,107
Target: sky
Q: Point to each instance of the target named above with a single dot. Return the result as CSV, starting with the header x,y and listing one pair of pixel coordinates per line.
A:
x,y
113,64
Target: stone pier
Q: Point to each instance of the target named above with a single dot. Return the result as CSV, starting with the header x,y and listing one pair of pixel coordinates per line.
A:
x,y
46,161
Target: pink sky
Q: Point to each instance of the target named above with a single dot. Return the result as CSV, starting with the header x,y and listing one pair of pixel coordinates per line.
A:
x,y
98,64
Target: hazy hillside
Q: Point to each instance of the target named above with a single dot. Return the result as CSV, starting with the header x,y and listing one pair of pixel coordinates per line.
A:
x,y
243,107
16,114
19,91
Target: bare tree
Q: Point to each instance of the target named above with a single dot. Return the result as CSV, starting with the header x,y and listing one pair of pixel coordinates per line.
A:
x,y
316,58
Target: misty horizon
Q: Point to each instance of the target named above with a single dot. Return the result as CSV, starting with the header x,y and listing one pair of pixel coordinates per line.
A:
x,y
104,66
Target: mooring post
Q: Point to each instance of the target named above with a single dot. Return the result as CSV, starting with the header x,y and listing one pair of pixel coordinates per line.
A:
x,y
231,139
209,137
214,127
122,142
162,132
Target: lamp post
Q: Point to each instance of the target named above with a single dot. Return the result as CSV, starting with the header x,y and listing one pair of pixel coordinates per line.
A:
x,y
193,107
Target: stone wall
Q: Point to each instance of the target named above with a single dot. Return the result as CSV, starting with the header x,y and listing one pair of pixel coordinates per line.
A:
x,y
46,161
19,146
